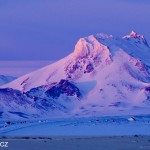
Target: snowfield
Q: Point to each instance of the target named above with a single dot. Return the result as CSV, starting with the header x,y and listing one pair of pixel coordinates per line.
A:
x,y
98,126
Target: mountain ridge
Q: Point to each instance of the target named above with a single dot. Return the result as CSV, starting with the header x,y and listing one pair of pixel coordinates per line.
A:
x,y
103,75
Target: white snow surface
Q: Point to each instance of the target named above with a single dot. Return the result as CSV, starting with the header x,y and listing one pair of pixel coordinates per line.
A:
x,y
100,126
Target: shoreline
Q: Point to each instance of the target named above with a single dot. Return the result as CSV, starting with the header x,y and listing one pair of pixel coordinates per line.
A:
x,y
71,137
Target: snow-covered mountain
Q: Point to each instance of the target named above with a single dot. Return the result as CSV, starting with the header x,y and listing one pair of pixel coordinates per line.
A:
x,y
6,79
104,75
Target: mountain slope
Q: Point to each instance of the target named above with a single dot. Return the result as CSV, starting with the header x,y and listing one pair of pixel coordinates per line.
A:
x,y
6,79
93,50
103,76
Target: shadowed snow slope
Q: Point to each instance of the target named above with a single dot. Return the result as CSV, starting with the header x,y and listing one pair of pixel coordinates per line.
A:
x,y
6,79
104,75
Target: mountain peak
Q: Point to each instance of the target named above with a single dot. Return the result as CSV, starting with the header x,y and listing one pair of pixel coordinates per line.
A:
x,y
134,34
104,36
136,37
89,46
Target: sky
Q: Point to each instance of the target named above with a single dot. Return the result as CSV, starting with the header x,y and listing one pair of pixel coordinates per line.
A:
x,y
49,29
22,67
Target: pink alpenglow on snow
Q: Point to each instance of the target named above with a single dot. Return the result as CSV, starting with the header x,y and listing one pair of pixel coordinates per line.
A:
x,y
103,76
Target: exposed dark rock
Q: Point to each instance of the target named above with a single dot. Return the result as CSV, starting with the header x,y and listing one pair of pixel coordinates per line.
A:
x,y
8,95
63,87
36,92
147,89
89,68
8,123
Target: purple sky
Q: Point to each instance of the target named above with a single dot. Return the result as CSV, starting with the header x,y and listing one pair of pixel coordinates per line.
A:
x,y
19,68
49,29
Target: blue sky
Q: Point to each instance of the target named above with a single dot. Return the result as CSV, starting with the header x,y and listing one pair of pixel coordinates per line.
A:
x,y
49,29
